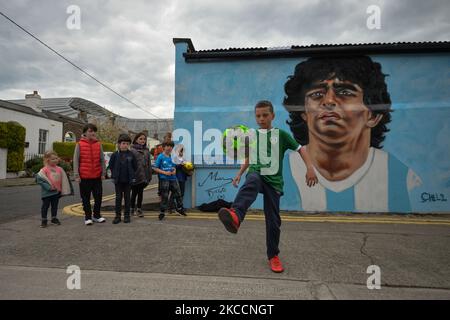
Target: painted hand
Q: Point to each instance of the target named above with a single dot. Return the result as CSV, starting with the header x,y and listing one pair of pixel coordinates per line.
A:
x,y
311,177
236,180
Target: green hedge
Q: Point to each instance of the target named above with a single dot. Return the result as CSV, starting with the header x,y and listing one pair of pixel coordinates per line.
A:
x,y
35,164
3,135
65,150
12,137
108,147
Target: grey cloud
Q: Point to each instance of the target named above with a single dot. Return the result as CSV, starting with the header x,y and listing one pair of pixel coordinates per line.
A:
x,y
128,45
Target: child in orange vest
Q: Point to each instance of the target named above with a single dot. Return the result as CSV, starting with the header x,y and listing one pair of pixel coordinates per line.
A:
x,y
89,170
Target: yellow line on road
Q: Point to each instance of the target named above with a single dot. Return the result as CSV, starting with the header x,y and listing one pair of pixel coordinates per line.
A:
x,y
77,210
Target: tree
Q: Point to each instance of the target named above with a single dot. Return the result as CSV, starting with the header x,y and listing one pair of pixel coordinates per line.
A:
x,y
108,130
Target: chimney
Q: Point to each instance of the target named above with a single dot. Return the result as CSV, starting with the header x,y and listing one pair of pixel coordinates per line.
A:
x,y
34,101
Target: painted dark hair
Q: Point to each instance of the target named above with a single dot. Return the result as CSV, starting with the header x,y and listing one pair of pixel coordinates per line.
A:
x,y
360,70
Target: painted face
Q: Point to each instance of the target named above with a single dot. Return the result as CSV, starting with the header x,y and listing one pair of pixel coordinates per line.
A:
x,y
335,111
90,134
54,160
142,140
123,146
264,117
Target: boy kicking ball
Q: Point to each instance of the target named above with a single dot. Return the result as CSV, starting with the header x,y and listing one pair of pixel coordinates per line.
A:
x,y
263,178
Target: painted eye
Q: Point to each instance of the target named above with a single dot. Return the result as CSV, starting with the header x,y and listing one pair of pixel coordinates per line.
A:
x,y
345,92
315,94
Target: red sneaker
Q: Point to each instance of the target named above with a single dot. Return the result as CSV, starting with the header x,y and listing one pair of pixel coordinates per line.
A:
x,y
275,265
229,219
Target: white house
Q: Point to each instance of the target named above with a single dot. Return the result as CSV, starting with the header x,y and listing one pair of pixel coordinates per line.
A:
x,y
41,130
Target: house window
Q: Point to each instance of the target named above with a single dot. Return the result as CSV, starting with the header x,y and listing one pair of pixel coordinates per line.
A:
x,y
43,134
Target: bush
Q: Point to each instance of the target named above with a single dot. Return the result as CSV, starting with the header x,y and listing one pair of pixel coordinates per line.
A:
x,y
12,137
66,166
14,161
33,166
34,169
108,147
3,135
64,150
33,161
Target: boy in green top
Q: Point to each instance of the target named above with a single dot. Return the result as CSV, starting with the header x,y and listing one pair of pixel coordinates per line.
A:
x,y
265,177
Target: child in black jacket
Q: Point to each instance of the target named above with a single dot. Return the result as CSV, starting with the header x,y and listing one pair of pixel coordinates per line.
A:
x,y
123,167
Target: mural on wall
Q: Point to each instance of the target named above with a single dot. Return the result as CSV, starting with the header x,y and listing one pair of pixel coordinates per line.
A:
x,y
340,108
213,185
376,126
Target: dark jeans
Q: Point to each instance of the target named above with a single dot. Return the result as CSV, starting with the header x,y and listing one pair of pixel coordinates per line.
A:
x,y
182,185
47,202
123,191
167,186
137,191
247,194
94,186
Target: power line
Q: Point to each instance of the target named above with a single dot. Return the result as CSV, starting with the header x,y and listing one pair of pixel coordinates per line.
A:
x,y
77,67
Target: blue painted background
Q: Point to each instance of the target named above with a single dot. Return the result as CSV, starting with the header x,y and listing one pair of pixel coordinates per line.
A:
x,y
223,94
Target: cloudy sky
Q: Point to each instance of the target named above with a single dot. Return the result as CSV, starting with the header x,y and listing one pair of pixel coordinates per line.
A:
x,y
128,44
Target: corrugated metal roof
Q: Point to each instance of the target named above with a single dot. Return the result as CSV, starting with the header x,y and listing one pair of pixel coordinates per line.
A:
x,y
71,106
160,126
57,105
348,45
313,49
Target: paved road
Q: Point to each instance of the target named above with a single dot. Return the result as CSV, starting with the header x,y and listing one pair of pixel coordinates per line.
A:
x,y
24,201
183,258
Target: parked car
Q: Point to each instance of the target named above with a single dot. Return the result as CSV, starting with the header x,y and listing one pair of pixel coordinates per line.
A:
x,y
107,155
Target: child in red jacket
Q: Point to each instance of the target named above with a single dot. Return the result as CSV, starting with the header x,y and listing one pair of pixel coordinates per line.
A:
x,y
90,170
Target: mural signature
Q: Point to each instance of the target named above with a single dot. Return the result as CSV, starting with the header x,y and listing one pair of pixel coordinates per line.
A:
x,y
218,190
433,197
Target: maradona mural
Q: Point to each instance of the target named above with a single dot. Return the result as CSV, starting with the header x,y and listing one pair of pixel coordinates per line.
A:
x,y
340,108
375,120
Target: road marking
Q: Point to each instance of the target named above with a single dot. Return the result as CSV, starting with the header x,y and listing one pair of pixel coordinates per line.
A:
x,y
77,210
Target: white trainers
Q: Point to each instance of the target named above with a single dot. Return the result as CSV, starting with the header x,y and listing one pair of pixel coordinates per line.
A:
x,y
88,222
99,220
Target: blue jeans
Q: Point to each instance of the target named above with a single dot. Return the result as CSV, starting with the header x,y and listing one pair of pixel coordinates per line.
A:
x,y
247,194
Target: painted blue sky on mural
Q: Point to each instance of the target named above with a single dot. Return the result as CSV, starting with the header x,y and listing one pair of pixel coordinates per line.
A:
x,y
223,94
